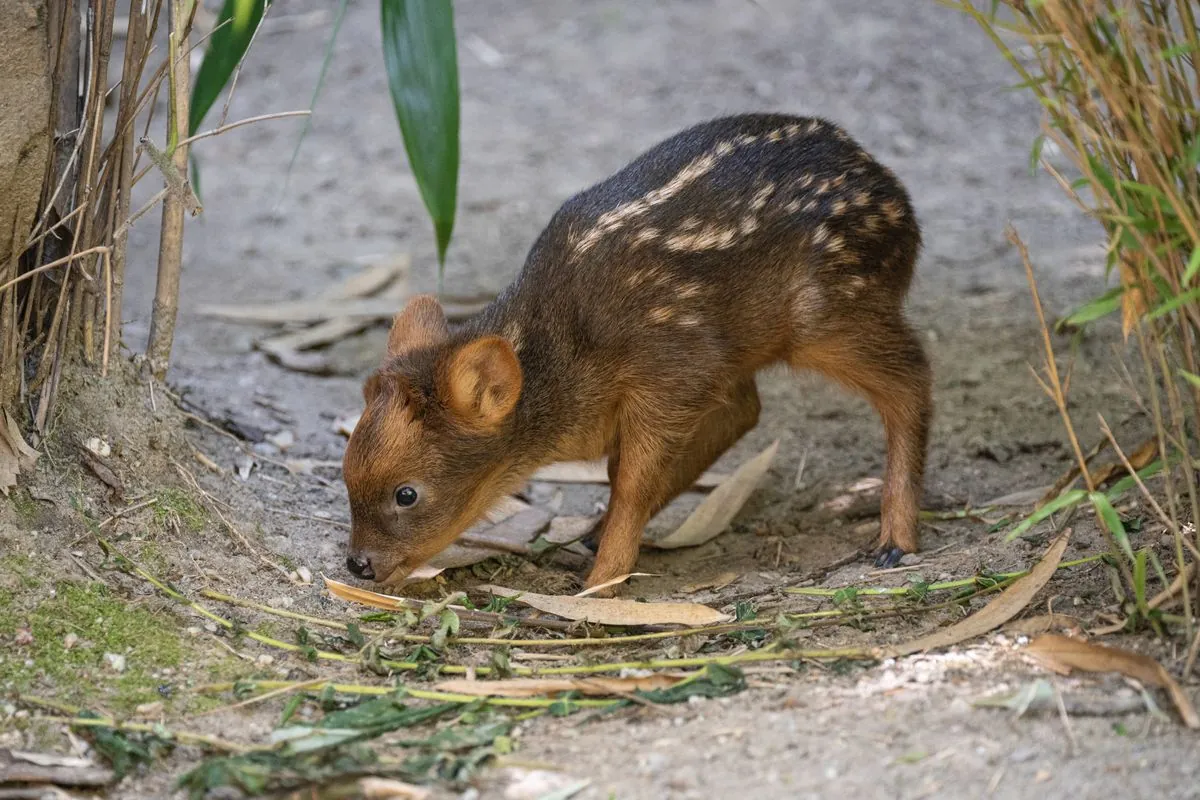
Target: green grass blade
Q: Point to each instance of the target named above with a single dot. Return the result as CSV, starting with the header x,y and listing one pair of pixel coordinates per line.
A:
x,y
1179,300
1112,521
420,55
1192,267
312,101
231,38
1063,501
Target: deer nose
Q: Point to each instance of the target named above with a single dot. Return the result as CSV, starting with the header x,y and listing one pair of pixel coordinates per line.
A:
x,y
360,566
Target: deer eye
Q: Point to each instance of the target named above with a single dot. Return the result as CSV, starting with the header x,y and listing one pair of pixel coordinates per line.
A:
x,y
406,496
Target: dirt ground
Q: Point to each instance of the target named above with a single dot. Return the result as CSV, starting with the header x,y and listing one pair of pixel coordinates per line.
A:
x,y
557,95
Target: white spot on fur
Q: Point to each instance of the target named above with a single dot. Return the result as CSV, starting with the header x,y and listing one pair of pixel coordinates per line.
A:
x,y
838,207
689,290
892,210
820,234
661,314
710,237
688,321
761,197
861,199
792,206
835,244
645,235
814,126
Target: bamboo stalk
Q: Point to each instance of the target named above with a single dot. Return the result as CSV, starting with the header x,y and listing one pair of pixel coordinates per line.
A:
x,y
170,251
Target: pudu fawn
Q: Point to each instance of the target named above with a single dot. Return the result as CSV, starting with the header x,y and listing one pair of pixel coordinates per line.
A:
x,y
635,330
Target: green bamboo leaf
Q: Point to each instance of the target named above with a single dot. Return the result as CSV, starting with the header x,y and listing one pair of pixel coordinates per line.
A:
x,y
1112,521
1063,501
1094,309
1175,302
231,37
1191,378
420,55
1035,154
1192,267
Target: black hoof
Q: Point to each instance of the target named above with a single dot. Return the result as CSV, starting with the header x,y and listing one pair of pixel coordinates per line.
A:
x,y
888,557
591,541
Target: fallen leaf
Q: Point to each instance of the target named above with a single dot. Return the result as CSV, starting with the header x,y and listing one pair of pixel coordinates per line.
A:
x,y
1000,610
506,507
1062,654
719,508
607,611
306,466
481,542
717,582
366,597
1031,626
1138,459
1025,497
389,789
597,472
569,529
537,687
15,455
619,579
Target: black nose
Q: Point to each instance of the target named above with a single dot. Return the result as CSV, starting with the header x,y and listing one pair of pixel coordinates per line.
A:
x,y
360,566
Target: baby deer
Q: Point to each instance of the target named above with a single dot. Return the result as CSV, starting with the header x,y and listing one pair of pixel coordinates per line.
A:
x,y
635,330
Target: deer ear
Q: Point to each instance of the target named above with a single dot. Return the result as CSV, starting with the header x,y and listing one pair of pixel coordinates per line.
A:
x,y
422,323
372,386
482,382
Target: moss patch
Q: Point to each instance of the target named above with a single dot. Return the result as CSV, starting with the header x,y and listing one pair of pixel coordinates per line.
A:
x,y
176,509
75,667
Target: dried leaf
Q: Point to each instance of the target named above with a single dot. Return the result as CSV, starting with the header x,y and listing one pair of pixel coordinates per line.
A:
x,y
366,597
1138,459
1025,497
390,789
605,611
717,510
536,687
619,579
1031,626
597,472
1000,610
15,455
1062,654
482,541
718,582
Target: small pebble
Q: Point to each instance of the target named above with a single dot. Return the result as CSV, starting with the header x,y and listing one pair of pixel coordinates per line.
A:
x,y
281,602
265,660
910,560
70,640
304,574
115,661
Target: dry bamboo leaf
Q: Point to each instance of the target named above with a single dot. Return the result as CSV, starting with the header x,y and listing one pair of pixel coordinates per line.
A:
x,y
619,579
537,687
718,582
15,455
1032,626
1025,497
371,279
506,507
1062,654
390,789
999,611
606,611
1138,459
353,594
714,514
597,472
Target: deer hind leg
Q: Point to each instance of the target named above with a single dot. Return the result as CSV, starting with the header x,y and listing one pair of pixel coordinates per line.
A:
x,y
649,477
885,362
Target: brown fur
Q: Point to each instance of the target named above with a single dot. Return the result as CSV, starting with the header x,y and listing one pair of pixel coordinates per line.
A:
x,y
635,330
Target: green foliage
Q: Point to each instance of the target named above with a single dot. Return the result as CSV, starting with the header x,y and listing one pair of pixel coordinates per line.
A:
x,y
421,59
231,37
125,750
336,747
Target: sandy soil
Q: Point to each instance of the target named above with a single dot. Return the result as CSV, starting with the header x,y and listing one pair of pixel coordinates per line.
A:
x,y
557,95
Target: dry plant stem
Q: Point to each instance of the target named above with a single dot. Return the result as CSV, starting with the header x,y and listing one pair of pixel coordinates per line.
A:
x,y
53,264
1055,390
130,78
247,121
170,252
